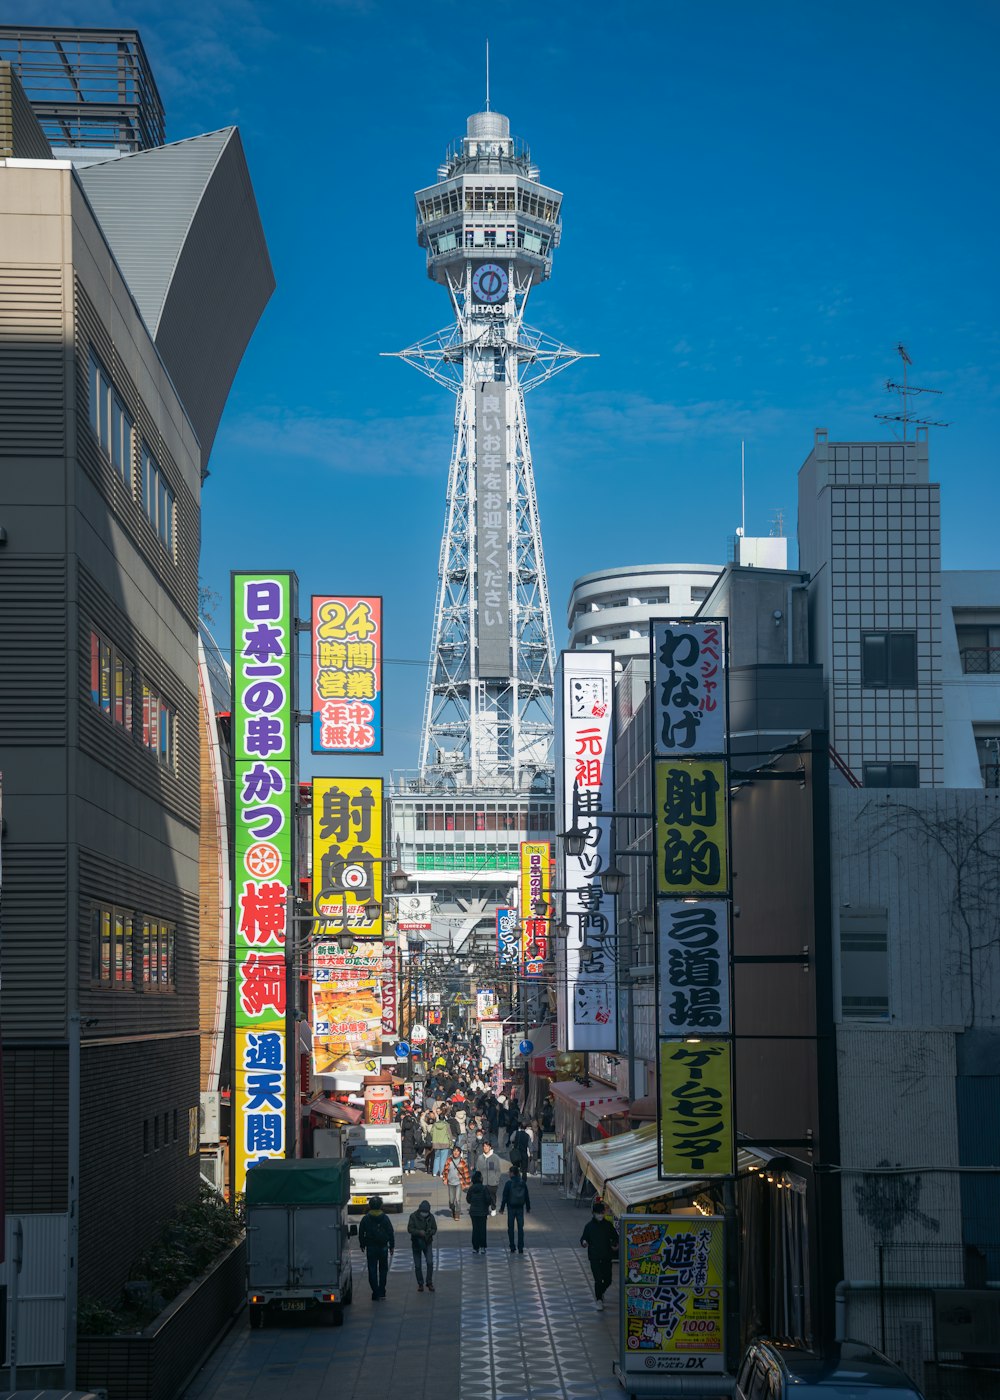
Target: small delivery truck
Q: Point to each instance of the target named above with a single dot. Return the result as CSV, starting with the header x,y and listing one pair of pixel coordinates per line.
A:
x,y
298,1250
373,1151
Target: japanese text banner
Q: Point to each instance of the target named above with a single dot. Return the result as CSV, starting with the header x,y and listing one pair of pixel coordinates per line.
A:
x,y
673,1294
347,850
263,639
688,687
696,1108
508,938
346,675
346,1006
588,991
536,884
692,827
693,966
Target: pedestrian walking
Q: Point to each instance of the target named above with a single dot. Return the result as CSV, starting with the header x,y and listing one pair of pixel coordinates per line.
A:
x,y
441,1142
601,1241
455,1175
514,1202
478,1199
377,1239
489,1164
421,1228
410,1142
520,1148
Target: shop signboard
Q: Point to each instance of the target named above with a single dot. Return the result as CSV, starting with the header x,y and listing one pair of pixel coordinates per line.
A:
x,y
696,1108
346,675
508,938
346,1007
588,986
693,964
390,989
347,846
263,611
672,1281
536,885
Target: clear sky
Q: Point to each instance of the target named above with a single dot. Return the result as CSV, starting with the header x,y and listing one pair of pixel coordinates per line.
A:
x,y
760,202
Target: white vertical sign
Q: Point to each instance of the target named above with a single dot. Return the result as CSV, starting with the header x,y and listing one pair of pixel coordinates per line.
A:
x,y
588,989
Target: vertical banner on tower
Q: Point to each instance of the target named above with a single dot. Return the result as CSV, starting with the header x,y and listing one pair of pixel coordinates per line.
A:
x,y
536,884
263,751
347,849
492,564
390,989
588,986
346,675
690,743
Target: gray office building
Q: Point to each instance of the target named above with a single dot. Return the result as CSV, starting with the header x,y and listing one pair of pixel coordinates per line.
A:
x,y
117,350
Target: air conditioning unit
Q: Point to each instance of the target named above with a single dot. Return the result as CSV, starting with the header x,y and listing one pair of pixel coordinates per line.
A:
x,y
208,1118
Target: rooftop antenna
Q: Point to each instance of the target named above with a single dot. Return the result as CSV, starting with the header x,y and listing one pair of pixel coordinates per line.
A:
x,y
487,75
743,487
778,522
904,391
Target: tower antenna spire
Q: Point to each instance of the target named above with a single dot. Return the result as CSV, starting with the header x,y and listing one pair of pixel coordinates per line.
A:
x,y
487,75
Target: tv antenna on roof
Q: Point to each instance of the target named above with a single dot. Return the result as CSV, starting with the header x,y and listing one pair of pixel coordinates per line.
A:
x,y
904,391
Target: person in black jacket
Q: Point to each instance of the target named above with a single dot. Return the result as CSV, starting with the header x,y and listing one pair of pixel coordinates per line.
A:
x,y
478,1198
411,1142
514,1202
600,1239
377,1239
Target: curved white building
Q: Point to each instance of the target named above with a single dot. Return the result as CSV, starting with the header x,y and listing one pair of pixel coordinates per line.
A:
x,y
611,608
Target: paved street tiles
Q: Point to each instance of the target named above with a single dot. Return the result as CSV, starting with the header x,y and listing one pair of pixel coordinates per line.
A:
x,y
497,1327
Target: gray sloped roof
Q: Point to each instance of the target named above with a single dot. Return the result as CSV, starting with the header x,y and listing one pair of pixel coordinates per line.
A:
x,y
183,224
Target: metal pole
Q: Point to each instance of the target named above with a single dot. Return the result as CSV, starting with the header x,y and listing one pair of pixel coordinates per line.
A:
x,y
881,1282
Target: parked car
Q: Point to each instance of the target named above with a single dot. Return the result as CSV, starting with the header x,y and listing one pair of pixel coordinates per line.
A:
x,y
771,1370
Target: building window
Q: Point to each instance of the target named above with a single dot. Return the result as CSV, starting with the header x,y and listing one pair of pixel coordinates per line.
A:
x,y
979,648
111,421
157,972
988,751
129,951
892,775
112,682
158,501
864,964
159,725
699,594
663,597
889,660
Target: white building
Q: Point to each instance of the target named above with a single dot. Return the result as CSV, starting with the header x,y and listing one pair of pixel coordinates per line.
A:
x,y
612,607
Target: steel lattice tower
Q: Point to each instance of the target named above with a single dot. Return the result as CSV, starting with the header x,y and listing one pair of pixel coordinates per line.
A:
x,y
489,227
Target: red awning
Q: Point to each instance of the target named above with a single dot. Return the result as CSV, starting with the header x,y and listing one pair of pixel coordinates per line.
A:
x,y
583,1096
338,1112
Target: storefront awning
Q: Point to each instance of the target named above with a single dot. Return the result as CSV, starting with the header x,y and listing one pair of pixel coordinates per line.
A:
x,y
598,1117
581,1096
637,1189
618,1156
337,1112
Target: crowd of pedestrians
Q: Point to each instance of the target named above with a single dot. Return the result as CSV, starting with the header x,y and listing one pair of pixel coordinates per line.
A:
x,y
459,1136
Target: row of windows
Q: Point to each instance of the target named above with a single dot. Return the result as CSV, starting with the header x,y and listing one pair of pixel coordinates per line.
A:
x,y
156,1138
488,199
130,950
449,816
116,690
115,431
520,237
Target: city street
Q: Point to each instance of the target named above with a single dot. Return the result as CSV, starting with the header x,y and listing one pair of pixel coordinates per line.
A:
x,y
496,1328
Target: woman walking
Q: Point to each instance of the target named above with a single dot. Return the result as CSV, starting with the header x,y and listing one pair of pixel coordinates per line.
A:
x,y
478,1199
455,1176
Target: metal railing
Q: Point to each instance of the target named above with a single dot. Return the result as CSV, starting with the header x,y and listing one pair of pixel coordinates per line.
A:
x,y
980,661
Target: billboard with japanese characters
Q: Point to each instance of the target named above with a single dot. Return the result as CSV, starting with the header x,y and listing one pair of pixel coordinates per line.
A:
x,y
347,1007
693,952
696,1108
346,675
692,827
508,938
492,564
587,986
689,691
347,850
390,989
536,884
672,1294
263,611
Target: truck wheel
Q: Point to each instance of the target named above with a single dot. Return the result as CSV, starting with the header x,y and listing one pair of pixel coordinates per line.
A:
x,y
349,1295
333,1314
256,1315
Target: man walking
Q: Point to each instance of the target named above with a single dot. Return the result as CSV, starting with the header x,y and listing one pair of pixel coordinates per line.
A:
x,y
455,1176
377,1239
421,1228
600,1239
515,1201
441,1143
489,1164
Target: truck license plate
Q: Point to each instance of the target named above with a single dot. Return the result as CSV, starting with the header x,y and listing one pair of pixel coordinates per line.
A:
x,y
293,1305
359,1200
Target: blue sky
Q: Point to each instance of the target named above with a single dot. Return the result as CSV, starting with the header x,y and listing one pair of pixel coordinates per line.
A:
x,y
760,202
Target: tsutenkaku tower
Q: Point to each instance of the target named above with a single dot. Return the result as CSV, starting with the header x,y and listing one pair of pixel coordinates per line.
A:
x,y
489,227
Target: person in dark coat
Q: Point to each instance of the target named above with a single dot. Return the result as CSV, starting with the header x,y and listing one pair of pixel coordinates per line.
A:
x,y
411,1143
520,1149
377,1239
599,1239
478,1199
514,1202
422,1227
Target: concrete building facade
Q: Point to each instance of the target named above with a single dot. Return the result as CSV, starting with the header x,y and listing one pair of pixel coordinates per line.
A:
x,y
611,608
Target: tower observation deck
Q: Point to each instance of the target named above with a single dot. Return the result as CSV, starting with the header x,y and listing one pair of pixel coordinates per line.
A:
x,y
489,228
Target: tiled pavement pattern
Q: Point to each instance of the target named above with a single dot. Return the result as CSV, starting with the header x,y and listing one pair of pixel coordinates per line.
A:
x,y
496,1328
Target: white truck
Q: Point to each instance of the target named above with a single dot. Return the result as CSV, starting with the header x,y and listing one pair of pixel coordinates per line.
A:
x,y
373,1152
298,1250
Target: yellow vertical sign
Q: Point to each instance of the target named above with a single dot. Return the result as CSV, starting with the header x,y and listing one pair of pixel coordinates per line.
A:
x,y
347,849
696,1108
692,830
536,884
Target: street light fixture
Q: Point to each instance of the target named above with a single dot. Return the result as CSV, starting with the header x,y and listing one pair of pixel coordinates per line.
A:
x,y
612,880
576,840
